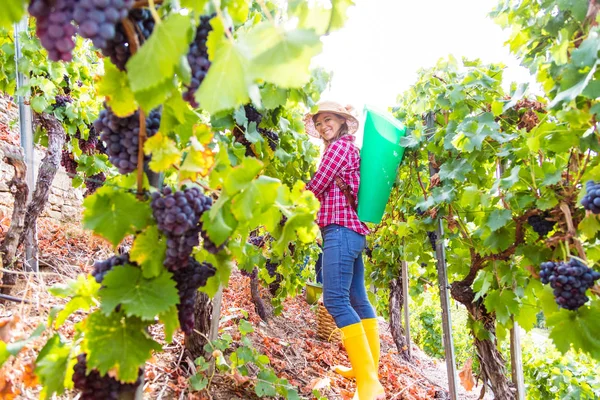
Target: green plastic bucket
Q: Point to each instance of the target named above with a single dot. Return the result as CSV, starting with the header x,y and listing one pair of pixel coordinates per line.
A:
x,y
313,292
380,157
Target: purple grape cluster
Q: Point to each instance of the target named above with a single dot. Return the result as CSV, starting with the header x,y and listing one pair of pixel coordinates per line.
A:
x,y
117,48
101,268
251,275
61,101
272,137
198,59
54,27
178,217
189,279
272,270
569,280
541,224
432,239
121,136
90,144
252,114
68,163
97,18
94,386
258,241
93,183
591,200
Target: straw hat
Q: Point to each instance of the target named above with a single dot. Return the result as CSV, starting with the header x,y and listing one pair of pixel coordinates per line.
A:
x,y
335,108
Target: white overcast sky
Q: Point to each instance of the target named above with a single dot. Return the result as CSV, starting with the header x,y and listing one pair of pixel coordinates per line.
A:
x,y
377,54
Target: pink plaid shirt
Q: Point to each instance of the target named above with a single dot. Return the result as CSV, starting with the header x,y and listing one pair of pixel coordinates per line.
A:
x,y
341,158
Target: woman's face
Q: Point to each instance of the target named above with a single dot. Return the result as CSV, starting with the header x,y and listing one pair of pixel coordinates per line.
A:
x,y
328,125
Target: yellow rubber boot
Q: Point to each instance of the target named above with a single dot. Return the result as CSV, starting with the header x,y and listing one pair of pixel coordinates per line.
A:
x,y
359,353
371,328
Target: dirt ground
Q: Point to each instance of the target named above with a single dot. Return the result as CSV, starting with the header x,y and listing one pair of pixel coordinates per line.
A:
x,y
289,340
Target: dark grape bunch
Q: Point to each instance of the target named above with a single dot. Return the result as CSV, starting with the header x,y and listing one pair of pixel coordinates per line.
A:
x,y
121,136
101,268
188,280
540,223
89,145
569,280
258,241
117,48
97,18
54,27
252,114
272,137
93,183
61,101
178,217
591,200
197,57
97,387
68,163
432,239
251,275
272,270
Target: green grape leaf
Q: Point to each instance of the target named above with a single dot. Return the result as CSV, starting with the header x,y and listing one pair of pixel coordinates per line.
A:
x,y
151,98
575,90
170,320
578,329
273,96
217,227
503,302
499,240
339,10
12,12
237,9
164,152
264,386
226,83
509,181
113,214
284,63
590,226
115,87
148,251
455,170
137,296
196,5
116,342
586,55
240,177
54,367
83,292
498,218
245,327
39,103
156,60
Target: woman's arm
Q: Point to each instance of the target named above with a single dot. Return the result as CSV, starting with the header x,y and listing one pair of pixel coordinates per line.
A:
x,y
331,164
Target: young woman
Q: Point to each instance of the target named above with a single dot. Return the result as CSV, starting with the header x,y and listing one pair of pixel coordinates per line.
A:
x,y
335,184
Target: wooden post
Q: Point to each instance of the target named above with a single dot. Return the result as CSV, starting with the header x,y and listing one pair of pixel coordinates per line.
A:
x,y
406,311
440,253
26,134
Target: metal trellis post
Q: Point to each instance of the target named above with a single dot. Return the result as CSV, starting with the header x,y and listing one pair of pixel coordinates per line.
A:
x,y
440,253
406,311
26,133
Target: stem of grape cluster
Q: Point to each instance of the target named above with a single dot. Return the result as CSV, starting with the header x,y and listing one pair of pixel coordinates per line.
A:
x,y
153,12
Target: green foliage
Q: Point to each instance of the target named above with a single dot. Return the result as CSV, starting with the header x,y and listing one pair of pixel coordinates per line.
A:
x,y
240,363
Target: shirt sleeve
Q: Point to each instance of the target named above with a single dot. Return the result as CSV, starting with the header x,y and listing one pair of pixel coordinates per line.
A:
x,y
331,164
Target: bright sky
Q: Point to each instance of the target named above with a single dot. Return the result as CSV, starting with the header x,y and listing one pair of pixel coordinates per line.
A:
x,y
377,54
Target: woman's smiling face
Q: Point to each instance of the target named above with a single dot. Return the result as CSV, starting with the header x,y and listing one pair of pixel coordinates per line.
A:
x,y
328,125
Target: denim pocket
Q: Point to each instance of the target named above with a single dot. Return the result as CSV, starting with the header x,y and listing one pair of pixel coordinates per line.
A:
x,y
356,242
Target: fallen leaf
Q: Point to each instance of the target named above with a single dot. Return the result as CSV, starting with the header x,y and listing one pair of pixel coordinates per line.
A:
x,y
239,379
7,325
318,384
466,375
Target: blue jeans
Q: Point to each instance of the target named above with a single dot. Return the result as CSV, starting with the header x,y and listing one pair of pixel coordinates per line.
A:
x,y
344,292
